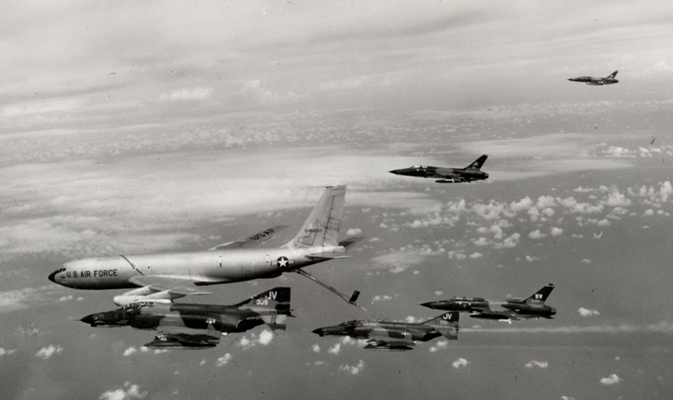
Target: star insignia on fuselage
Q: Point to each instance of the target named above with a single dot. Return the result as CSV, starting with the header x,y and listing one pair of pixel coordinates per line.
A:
x,y
282,262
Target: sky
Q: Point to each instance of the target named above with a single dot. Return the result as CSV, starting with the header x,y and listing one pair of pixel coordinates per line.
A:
x,y
138,127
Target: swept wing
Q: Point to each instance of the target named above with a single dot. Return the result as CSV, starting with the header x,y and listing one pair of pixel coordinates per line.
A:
x,y
185,338
251,240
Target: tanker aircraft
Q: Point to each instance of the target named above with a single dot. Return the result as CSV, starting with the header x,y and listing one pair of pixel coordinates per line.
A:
x,y
512,309
396,336
597,81
448,175
173,275
198,326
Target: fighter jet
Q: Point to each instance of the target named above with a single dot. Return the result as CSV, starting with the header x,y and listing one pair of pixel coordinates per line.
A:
x,y
169,276
449,175
198,326
396,336
597,81
510,310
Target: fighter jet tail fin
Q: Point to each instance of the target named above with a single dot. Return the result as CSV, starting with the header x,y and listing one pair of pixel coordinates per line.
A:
x,y
541,295
322,226
276,299
476,164
446,324
614,74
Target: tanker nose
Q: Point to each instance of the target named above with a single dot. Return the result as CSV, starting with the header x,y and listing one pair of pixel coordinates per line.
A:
x,y
51,276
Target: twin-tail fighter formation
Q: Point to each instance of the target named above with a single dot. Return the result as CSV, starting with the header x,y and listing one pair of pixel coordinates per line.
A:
x,y
167,276
509,310
395,336
198,326
470,173
597,81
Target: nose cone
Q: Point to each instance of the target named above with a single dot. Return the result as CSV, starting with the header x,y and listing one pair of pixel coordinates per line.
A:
x,y
52,277
485,176
88,319
435,304
553,311
395,171
330,330
320,332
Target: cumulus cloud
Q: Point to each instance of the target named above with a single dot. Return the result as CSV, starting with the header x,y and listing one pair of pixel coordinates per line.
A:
x,y
126,392
5,352
440,345
381,298
335,349
353,369
476,255
132,350
129,351
315,348
354,231
461,362
224,360
536,234
610,380
264,338
399,261
48,351
537,364
556,231
585,312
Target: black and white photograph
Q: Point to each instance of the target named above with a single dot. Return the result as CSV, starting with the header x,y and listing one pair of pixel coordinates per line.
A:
x,y
291,199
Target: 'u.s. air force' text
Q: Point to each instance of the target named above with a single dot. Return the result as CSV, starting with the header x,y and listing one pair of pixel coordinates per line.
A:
x,y
101,273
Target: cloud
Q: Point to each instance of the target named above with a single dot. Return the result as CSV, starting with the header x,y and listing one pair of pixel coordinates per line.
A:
x,y
440,345
12,300
127,392
556,231
264,338
334,349
315,348
610,380
536,234
399,261
585,312
224,360
353,369
187,94
381,298
5,352
460,363
476,255
48,351
129,351
354,231
537,364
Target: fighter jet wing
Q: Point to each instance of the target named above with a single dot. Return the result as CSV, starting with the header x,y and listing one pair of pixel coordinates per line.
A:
x,y
152,288
504,315
457,179
186,338
252,240
390,344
